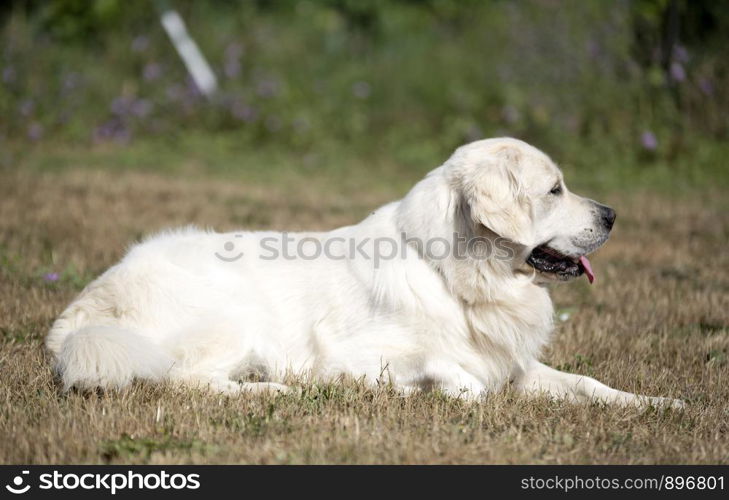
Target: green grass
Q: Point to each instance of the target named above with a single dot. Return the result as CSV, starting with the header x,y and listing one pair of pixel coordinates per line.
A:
x,y
587,166
129,448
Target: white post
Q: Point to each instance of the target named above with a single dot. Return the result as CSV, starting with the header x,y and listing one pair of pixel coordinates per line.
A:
x,y
188,50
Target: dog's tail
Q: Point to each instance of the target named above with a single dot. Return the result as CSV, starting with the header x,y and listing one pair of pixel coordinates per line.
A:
x,y
106,356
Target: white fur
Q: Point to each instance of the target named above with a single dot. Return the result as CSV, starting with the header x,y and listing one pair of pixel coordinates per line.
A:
x,y
173,309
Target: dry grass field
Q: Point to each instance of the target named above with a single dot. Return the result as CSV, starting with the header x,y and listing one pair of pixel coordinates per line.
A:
x,y
655,322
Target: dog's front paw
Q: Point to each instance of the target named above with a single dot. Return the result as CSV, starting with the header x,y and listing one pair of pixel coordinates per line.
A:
x,y
658,402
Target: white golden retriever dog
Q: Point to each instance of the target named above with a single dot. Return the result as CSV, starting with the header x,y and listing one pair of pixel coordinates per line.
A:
x,y
443,289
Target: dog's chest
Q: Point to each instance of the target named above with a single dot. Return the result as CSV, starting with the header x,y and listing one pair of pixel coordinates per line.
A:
x,y
511,330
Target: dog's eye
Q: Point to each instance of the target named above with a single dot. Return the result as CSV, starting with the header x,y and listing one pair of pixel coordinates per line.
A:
x,y
556,190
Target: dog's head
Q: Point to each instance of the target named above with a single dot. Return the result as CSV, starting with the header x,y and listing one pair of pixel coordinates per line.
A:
x,y
514,191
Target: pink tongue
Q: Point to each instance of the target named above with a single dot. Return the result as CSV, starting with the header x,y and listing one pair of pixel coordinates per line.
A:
x,y
585,263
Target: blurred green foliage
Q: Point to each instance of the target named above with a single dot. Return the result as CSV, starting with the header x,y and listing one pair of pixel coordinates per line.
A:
x,y
645,79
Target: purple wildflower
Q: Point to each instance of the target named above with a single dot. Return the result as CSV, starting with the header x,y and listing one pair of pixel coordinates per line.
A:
x,y
141,108
120,105
192,90
681,54
244,112
51,277
649,141
268,87
151,72
232,68
361,90
113,129
593,49
26,107
9,74
140,43
35,131
677,72
706,86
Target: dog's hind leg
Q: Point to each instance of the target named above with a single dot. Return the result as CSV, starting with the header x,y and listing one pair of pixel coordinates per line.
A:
x,y
108,357
213,355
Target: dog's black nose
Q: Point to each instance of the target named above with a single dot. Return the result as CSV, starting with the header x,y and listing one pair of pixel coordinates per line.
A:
x,y
608,217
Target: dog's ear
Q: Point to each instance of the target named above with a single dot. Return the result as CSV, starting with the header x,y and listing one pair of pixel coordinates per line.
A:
x,y
489,185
